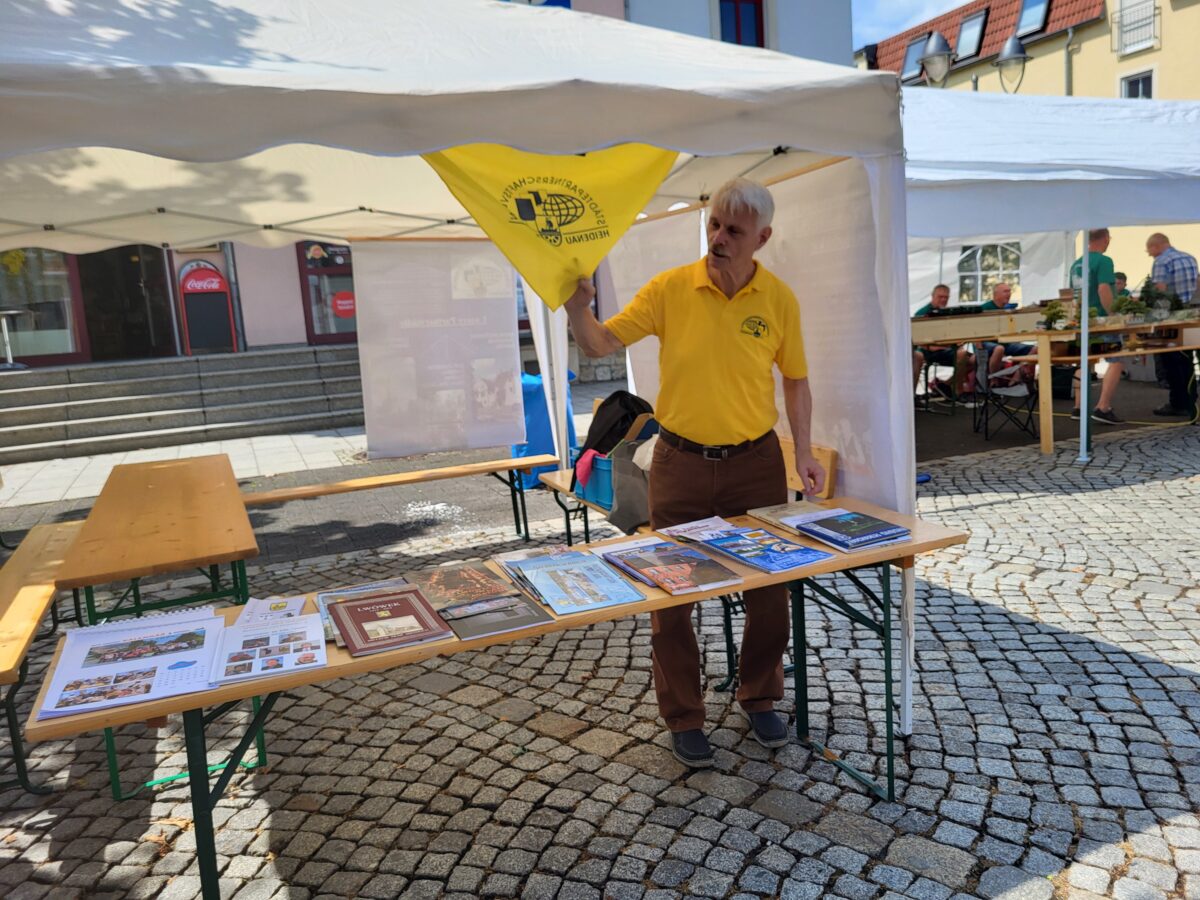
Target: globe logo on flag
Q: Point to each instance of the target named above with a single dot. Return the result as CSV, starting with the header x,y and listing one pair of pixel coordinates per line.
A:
x,y
549,213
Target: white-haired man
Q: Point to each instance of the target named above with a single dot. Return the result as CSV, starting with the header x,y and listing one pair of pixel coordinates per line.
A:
x,y
724,322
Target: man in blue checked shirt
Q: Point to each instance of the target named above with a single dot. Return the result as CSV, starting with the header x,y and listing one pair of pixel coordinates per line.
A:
x,y
1176,271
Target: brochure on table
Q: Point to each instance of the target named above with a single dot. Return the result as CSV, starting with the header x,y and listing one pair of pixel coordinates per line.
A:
x,y
130,661
271,609
271,647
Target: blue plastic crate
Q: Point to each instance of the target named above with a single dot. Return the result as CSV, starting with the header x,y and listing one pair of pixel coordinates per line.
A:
x,y
599,489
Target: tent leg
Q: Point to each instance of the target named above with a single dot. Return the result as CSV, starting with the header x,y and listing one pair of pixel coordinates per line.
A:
x,y
908,586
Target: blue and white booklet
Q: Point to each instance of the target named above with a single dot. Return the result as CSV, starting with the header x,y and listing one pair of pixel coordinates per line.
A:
x,y
763,550
575,581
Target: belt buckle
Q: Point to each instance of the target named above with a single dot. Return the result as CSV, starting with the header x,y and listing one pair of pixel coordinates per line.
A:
x,y
711,452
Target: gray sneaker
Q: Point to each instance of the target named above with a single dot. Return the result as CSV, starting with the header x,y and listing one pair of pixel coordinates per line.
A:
x,y
692,748
1108,418
768,727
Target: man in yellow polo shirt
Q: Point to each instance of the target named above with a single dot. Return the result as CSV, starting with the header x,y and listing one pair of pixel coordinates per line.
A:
x,y
724,322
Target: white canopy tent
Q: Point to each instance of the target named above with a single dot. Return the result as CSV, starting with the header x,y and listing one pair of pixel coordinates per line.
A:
x,y
980,163
268,121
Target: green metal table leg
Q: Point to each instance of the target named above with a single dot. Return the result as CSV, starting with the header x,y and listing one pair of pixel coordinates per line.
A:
x,y
799,659
731,656
566,517
214,577
520,488
885,578
136,587
89,599
75,600
205,798
14,734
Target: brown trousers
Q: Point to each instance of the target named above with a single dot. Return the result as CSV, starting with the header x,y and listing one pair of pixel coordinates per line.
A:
x,y
683,487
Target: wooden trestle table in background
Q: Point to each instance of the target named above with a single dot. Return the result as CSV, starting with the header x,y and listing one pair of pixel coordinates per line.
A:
x,y
926,537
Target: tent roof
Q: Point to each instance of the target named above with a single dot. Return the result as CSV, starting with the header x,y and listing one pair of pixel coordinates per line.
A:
x,y
980,163
268,112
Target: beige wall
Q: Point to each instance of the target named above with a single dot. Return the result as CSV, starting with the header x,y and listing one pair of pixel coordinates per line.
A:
x,y
1097,70
269,281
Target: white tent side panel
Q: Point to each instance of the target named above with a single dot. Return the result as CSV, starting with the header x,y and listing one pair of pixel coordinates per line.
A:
x,y
437,343
1042,271
856,335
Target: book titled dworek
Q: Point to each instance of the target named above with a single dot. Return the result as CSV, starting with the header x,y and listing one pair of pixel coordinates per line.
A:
x,y
388,620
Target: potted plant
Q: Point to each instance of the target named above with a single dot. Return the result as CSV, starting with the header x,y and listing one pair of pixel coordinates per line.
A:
x,y
1055,316
1133,309
1158,304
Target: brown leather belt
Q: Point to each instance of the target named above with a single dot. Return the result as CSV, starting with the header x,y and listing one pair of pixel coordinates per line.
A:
x,y
710,451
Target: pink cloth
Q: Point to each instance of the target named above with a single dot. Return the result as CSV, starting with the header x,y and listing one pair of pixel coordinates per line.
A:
x,y
583,467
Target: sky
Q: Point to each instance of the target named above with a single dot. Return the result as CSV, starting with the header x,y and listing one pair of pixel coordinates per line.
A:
x,y
875,20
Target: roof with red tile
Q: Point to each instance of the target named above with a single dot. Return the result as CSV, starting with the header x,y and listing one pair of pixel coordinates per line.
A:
x,y
1000,24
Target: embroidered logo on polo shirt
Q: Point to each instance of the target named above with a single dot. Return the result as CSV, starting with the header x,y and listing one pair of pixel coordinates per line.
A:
x,y
755,326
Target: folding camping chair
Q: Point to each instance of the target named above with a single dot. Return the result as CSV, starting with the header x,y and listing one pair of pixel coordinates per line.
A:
x,y
1001,402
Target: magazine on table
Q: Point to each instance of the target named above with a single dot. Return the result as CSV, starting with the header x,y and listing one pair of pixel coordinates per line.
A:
x,y
272,647
271,609
845,530
324,598
525,613
677,569
789,515
507,561
464,585
133,660
767,552
575,581
700,530
388,620
609,553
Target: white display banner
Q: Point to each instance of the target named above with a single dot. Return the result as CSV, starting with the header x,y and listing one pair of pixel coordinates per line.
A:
x,y
823,246
1043,267
437,343
647,249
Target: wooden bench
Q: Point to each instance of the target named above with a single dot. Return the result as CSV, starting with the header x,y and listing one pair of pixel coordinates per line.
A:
x,y
26,591
506,471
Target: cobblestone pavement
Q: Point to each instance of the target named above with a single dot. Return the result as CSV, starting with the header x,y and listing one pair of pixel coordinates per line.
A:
x,y
1056,749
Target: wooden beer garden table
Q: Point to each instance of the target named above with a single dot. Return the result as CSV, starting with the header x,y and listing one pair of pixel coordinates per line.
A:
x,y
926,537
1046,356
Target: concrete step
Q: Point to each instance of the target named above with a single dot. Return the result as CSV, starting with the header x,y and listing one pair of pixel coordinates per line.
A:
x,y
23,435
167,437
169,384
201,397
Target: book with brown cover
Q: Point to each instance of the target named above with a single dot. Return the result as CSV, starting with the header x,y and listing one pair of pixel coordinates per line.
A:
x,y
385,621
449,586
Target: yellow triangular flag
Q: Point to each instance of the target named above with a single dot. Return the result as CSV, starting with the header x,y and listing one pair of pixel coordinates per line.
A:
x,y
554,217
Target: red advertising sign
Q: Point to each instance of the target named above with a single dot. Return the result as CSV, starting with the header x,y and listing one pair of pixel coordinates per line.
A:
x,y
202,277
343,304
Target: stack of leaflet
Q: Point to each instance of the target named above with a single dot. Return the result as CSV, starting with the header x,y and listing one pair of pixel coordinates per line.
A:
x,y
839,528
754,547
674,569
568,581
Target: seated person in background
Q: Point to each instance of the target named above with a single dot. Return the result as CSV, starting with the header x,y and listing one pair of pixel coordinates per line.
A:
x,y
1120,290
1001,295
937,354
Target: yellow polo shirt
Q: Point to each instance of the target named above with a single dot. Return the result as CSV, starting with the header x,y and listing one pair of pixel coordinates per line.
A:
x,y
716,384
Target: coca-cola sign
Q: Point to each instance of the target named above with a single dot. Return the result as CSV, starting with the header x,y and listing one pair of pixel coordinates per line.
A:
x,y
202,277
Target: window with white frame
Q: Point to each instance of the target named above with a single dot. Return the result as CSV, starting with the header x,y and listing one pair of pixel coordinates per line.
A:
x,y
912,59
982,266
1135,26
1138,87
1033,16
970,35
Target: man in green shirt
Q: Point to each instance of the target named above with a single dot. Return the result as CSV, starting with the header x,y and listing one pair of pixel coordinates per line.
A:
x,y
1101,279
937,354
1001,295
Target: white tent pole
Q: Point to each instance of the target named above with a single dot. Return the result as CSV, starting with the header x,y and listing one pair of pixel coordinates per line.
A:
x,y
941,260
1085,405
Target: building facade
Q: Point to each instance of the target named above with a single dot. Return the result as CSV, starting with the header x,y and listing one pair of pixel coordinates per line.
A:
x,y
1133,49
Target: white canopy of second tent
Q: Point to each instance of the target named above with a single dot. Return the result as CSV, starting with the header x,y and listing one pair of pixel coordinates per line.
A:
x,y
994,163
981,163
